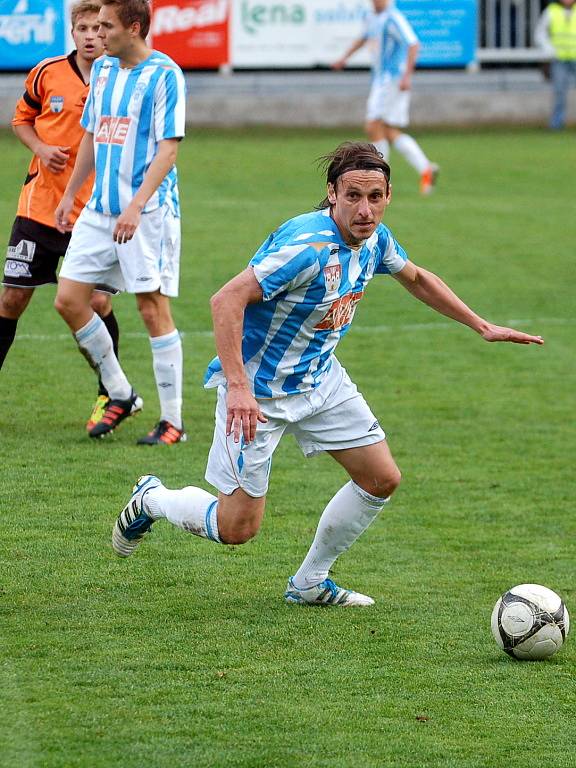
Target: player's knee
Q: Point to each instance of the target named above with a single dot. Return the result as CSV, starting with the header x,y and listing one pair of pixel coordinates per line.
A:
x,y
101,303
13,302
238,534
383,485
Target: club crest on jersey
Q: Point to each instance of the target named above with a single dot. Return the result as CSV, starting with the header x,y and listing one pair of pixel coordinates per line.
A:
x,y
112,130
100,85
56,104
139,91
332,277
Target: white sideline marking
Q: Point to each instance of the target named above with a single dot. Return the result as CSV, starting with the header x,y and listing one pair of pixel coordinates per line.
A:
x,y
356,329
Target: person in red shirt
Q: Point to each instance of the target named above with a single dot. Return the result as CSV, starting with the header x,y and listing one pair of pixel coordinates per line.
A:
x,y
47,121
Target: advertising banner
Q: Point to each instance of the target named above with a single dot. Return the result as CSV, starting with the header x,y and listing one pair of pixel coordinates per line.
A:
x,y
192,32
447,30
309,33
30,30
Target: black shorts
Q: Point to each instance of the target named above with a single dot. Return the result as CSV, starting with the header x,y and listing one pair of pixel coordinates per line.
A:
x,y
34,251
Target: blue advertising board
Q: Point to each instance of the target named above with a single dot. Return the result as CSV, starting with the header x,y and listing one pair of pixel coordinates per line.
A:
x,y
447,30
30,30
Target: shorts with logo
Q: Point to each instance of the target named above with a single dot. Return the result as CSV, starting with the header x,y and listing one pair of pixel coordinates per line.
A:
x,y
150,261
34,251
332,417
388,103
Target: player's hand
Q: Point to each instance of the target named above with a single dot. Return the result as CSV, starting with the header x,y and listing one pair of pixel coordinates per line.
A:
x,y
243,414
54,158
62,214
405,83
126,225
500,333
340,64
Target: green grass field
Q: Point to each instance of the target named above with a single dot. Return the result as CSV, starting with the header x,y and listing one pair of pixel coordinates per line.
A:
x,y
185,654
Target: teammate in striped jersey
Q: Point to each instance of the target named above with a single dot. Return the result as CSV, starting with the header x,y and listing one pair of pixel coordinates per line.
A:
x,y
128,235
47,121
277,325
394,51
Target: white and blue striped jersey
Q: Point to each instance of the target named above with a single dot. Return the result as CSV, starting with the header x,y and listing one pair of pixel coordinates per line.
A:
x,y
390,36
128,111
311,283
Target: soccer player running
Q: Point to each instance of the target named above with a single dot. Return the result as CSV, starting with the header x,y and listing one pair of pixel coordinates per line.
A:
x,y
277,325
128,235
394,51
47,121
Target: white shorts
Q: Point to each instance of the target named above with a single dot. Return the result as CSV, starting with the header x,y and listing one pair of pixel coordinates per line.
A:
x,y
332,417
388,103
150,261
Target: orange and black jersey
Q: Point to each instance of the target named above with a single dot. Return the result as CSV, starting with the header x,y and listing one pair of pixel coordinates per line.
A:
x,y
52,103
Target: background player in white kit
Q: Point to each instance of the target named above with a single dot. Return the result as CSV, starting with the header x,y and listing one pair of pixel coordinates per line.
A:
x,y
394,51
276,327
128,235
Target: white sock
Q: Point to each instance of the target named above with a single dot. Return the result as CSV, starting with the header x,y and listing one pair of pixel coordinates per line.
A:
x,y
383,147
192,509
96,345
347,515
167,363
408,147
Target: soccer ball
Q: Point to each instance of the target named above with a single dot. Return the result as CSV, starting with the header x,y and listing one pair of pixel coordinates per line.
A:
x,y
530,622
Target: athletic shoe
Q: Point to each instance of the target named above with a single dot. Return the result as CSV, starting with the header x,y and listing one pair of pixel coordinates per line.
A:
x,y
97,411
163,433
133,523
116,411
429,179
100,408
325,593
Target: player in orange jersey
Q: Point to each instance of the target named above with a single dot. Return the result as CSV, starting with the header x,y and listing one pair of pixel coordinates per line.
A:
x,y
47,121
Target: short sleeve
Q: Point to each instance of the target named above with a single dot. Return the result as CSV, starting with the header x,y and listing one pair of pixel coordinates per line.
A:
x,y
170,105
393,256
29,106
284,268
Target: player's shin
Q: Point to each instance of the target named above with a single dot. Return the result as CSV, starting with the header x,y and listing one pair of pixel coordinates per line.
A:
x,y
346,516
96,345
192,509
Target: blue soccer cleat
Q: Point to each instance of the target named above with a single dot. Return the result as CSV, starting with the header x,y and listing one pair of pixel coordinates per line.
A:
x,y
133,523
325,593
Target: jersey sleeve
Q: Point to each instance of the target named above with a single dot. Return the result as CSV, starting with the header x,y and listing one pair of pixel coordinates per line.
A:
x,y
285,267
170,105
29,106
402,29
393,256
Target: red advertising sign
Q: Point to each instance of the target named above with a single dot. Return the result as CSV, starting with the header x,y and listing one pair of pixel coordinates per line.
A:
x,y
192,32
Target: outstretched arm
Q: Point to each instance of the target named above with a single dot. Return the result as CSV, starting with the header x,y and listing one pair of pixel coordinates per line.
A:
x,y
228,306
430,289
356,45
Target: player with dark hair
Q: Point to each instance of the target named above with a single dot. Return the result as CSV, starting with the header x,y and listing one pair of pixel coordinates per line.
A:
x,y
47,121
277,325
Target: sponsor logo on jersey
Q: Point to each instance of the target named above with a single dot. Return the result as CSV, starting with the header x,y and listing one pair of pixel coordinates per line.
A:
x,y
374,426
112,130
332,277
56,103
24,251
340,313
